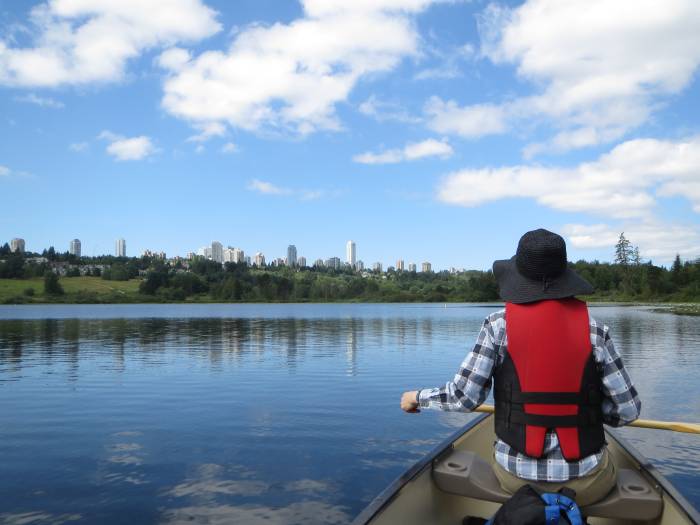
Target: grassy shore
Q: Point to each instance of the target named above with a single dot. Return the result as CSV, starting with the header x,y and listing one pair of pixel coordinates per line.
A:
x,y
681,309
77,290
87,290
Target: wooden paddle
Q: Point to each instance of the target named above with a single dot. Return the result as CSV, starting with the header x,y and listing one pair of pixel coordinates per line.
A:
x,y
675,426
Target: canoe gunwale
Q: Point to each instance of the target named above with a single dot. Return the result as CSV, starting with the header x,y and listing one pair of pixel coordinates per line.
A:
x,y
666,486
388,494
384,498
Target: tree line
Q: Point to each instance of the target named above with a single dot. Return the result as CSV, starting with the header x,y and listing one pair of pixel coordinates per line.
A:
x,y
628,278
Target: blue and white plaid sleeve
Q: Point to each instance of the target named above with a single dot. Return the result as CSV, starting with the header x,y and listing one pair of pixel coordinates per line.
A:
x,y
472,383
621,404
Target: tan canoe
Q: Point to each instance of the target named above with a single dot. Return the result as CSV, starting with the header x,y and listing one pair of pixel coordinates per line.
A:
x,y
456,480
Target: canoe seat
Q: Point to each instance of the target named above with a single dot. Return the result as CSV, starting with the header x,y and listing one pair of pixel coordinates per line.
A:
x,y
633,499
466,474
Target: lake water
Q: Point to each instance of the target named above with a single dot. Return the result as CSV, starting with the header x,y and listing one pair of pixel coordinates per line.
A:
x,y
264,414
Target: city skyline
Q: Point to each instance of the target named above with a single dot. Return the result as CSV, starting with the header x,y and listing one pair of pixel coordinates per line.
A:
x,y
216,252
461,127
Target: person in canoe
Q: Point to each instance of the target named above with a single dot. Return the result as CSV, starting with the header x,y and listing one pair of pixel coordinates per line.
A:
x,y
555,372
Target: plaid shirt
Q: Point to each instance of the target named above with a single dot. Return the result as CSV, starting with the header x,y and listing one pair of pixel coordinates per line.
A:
x,y
472,384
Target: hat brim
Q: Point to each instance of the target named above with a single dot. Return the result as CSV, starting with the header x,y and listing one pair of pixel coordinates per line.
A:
x,y
516,288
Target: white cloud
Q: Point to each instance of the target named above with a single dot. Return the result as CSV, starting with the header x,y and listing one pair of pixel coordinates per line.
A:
x,y
384,111
128,148
656,240
7,172
230,147
450,66
79,147
44,102
469,122
412,151
622,184
268,188
289,77
600,69
207,130
82,41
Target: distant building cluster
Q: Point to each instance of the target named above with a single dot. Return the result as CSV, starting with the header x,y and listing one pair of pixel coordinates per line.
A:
x,y
217,253
154,255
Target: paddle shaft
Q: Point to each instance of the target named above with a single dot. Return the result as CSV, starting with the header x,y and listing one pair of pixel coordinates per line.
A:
x,y
675,426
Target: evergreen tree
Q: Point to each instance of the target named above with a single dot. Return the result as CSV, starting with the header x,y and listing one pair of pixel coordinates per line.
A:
x,y
51,284
635,259
622,251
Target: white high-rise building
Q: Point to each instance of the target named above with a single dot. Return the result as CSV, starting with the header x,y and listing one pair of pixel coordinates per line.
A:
x,y
318,263
120,248
291,255
75,247
359,266
17,245
412,267
399,265
350,253
333,262
377,267
426,267
217,252
234,255
302,262
259,259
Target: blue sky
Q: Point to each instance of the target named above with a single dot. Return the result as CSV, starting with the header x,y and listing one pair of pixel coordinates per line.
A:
x,y
423,130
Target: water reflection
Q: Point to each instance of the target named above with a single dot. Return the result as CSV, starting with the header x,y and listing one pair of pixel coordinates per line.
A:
x,y
37,518
208,485
218,338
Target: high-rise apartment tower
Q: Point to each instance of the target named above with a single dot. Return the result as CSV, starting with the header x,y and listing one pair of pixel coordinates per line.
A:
x,y
350,253
120,248
75,247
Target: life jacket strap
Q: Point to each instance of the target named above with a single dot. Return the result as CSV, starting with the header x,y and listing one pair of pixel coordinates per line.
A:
x,y
520,417
588,397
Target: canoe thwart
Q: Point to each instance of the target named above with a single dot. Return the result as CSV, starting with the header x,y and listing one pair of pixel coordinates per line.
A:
x,y
466,474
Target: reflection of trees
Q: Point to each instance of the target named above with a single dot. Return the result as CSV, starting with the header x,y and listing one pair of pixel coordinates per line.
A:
x,y
217,340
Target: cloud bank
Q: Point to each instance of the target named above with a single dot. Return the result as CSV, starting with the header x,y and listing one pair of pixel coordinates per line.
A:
x,y
84,41
288,78
621,184
599,69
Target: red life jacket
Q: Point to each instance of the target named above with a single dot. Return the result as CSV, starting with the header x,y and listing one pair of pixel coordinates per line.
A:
x,y
549,380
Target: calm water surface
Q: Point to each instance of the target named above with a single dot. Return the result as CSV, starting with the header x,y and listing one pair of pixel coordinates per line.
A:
x,y
263,414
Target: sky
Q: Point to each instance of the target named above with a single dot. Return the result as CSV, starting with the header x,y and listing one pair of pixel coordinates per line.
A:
x,y
424,130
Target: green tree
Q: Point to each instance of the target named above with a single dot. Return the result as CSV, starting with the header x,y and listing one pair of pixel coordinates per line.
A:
x,y
51,284
622,251
13,267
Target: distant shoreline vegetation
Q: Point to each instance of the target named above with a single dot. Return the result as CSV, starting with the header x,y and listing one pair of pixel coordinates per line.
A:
x,y
53,277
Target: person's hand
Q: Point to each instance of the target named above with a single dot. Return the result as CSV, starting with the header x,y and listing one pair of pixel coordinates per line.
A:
x,y
408,401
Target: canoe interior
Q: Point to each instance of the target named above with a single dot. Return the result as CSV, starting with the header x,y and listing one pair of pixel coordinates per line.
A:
x,y
415,499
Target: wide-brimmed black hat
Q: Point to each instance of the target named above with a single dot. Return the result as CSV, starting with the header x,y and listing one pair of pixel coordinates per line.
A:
x,y
538,271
